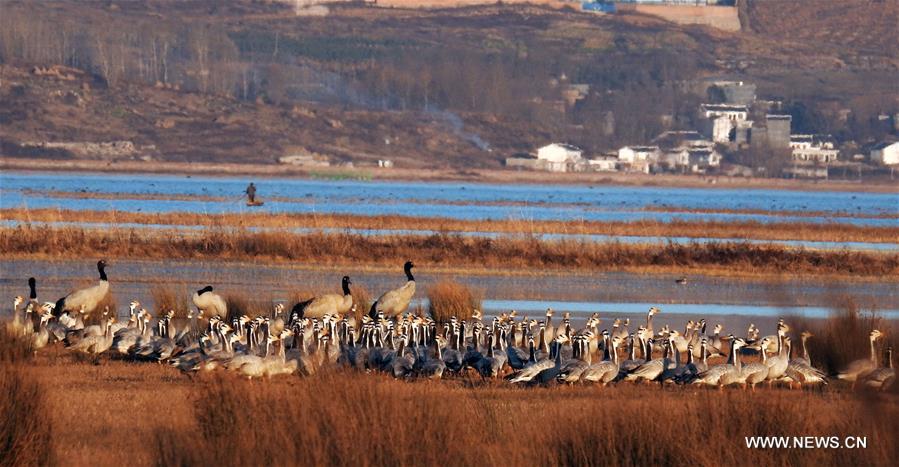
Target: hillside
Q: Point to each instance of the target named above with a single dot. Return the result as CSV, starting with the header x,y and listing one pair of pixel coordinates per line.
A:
x,y
250,81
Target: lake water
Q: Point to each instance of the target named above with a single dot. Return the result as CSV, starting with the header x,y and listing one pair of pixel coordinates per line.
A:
x,y
453,200
734,301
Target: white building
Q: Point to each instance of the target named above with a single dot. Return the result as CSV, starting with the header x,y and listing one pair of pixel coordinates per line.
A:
x,y
725,119
701,160
560,157
813,148
728,111
632,154
885,153
603,164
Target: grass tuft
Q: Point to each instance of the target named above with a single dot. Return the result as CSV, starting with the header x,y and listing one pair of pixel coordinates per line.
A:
x,y
449,298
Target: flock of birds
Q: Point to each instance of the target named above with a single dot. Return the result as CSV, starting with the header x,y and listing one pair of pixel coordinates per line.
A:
x,y
324,331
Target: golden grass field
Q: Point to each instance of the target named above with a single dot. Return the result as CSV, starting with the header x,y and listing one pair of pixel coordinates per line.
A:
x,y
70,409
121,413
438,250
828,232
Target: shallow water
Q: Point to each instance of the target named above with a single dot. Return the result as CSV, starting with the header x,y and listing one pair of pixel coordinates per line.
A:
x,y
732,301
453,200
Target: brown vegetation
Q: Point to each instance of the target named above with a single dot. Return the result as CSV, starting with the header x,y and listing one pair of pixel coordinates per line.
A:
x,y
171,297
833,232
147,414
343,419
843,337
192,79
240,304
26,438
440,250
449,298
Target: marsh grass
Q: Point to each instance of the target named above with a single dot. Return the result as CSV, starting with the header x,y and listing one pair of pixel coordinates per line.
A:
x,y
744,229
26,437
107,305
240,304
339,418
14,347
844,336
175,297
362,299
25,432
449,298
526,253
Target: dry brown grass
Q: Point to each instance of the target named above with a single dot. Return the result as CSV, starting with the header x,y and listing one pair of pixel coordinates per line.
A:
x,y
13,346
144,414
26,437
240,304
362,299
174,297
836,232
525,253
843,337
449,298
348,419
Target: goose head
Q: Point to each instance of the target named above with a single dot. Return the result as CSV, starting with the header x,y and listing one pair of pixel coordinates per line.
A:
x,y
738,342
133,306
718,328
615,342
549,312
17,301
654,311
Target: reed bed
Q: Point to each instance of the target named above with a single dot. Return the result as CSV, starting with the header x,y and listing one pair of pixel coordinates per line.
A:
x,y
440,250
339,418
449,298
26,437
833,232
843,337
171,297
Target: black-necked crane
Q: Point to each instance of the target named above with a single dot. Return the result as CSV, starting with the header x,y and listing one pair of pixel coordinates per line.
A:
x,y
328,304
395,302
210,303
86,299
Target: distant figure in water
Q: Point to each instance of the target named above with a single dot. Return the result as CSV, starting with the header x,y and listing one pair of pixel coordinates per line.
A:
x,y
251,193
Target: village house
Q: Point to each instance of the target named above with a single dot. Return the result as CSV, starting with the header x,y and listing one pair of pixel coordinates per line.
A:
x,y
560,157
886,153
603,164
813,148
555,157
631,154
724,119
638,158
700,160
